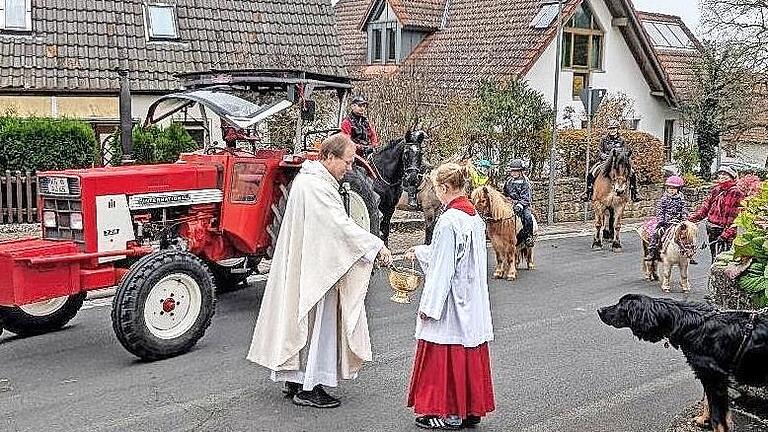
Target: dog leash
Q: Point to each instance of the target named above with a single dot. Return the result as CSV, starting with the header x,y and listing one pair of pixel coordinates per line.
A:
x,y
736,362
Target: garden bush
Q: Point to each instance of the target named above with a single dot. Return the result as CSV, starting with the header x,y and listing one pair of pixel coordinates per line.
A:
x,y
39,143
155,144
647,152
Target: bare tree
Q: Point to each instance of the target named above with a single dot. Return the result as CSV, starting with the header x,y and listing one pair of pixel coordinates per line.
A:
x,y
745,21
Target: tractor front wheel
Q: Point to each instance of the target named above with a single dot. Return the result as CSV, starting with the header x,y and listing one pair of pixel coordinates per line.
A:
x,y
41,317
164,305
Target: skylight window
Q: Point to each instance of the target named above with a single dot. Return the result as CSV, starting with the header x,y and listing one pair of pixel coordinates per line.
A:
x,y
546,15
667,35
16,15
161,22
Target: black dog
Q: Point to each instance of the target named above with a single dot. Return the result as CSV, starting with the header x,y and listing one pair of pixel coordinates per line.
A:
x,y
717,344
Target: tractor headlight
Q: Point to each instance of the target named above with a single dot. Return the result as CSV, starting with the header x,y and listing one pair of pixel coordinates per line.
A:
x,y
76,221
49,219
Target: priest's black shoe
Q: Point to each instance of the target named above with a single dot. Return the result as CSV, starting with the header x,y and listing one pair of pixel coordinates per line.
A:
x,y
316,398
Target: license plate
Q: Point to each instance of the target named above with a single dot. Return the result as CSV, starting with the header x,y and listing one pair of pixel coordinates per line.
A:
x,y
58,185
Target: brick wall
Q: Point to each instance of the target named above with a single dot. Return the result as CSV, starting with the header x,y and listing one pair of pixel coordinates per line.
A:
x,y
569,208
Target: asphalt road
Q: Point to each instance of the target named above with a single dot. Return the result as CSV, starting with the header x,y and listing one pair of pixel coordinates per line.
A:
x,y
556,366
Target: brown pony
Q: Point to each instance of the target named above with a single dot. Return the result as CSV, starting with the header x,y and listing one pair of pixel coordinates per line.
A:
x,y
503,226
610,196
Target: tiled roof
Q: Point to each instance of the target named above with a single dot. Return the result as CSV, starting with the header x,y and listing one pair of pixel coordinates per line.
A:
x,y
420,13
353,41
676,63
481,39
76,45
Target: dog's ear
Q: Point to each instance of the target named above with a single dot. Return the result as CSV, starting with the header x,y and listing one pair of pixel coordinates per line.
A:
x,y
647,318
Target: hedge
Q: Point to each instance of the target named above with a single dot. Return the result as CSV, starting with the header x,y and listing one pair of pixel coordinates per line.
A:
x,y
38,143
647,152
155,144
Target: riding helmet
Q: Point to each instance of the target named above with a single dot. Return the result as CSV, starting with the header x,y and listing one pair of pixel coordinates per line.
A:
x,y
359,100
728,170
675,181
483,163
517,165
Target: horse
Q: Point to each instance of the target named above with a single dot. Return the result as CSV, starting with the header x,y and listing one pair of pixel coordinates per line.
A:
x,y
503,228
678,244
429,204
609,197
398,165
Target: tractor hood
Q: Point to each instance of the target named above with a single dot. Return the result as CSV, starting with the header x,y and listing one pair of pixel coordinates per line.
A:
x,y
236,110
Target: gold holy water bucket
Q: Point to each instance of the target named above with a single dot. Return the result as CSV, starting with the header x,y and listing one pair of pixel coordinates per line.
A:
x,y
404,282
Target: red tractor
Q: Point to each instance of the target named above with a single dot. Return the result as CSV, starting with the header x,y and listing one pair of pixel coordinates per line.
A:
x,y
169,235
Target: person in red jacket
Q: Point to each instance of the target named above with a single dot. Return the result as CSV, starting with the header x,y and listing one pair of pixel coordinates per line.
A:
x,y
356,126
720,209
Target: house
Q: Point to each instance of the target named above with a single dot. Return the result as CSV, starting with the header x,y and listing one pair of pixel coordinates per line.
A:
x,y
60,57
457,43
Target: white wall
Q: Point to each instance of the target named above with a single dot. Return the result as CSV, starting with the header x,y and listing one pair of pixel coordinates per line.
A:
x,y
621,74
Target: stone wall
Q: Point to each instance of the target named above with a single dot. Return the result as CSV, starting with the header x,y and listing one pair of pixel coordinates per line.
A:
x,y
569,208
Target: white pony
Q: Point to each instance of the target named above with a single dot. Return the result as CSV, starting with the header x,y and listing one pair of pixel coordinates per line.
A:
x,y
677,247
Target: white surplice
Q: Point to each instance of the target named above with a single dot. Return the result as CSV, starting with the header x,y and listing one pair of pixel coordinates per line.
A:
x,y
455,291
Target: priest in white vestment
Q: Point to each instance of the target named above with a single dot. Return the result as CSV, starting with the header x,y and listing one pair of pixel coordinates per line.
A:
x,y
312,328
451,385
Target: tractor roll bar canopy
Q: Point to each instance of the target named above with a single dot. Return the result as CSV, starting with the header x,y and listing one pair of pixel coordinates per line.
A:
x,y
238,111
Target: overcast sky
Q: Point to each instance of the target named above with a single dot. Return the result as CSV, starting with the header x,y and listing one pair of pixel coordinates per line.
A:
x,y
687,9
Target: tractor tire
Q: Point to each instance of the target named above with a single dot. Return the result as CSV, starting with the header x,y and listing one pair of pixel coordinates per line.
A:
x,y
278,212
363,201
41,317
163,305
227,281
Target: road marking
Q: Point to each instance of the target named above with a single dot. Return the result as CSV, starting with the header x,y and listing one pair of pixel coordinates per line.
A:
x,y
622,398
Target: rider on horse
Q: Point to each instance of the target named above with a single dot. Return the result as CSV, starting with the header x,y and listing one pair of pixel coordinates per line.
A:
x,y
356,126
671,208
610,142
479,172
518,189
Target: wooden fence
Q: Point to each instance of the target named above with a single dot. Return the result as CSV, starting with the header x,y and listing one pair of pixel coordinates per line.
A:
x,y
18,197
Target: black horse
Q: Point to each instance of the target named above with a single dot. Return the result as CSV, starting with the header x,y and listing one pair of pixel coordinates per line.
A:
x,y
399,166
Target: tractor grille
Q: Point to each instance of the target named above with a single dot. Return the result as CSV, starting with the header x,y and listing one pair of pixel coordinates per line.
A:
x,y
63,208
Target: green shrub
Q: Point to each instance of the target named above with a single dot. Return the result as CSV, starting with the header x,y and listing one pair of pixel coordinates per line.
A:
x,y
38,143
647,152
686,155
155,144
692,180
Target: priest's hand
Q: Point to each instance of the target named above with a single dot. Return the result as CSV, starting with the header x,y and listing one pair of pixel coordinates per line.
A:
x,y
385,257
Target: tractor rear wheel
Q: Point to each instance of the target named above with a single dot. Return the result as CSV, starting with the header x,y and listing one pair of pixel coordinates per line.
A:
x,y
230,275
164,305
363,201
41,317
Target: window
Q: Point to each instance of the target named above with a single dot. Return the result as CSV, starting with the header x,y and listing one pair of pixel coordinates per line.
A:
x,y
161,22
16,15
376,39
391,45
546,15
583,41
246,180
667,35
669,133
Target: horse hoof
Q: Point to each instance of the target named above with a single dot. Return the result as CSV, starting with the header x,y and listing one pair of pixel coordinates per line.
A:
x,y
531,267
665,289
511,277
597,245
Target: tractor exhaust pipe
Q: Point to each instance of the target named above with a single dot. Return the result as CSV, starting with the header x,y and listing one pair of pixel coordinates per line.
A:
x,y
126,123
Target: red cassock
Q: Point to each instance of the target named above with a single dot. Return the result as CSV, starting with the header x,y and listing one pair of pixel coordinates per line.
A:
x,y
451,380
